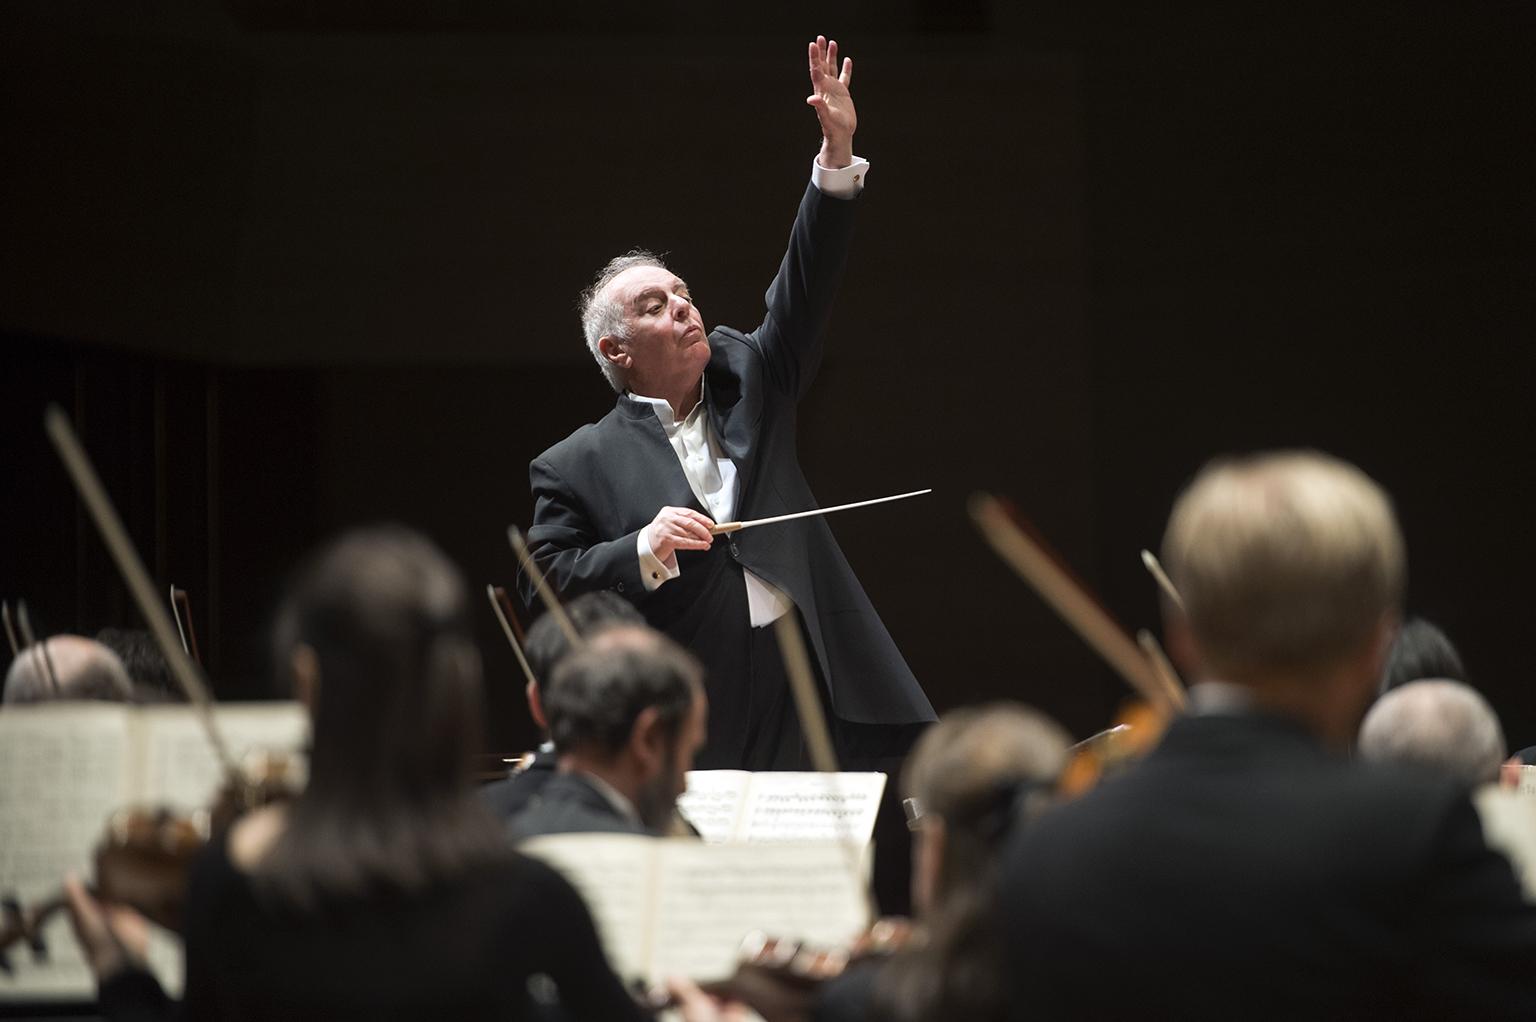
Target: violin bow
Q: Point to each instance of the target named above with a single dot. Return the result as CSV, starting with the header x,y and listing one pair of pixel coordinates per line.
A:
x,y
541,585
1162,667
818,737
1155,567
1010,537
39,649
501,607
181,609
88,485
10,628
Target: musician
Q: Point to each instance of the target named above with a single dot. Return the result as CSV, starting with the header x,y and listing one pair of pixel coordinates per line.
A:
x,y
972,778
384,891
1246,868
67,667
545,647
1439,725
704,431
627,714
1421,650
147,669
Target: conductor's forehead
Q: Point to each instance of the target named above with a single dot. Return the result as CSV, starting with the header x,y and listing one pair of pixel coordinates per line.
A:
x,y
636,280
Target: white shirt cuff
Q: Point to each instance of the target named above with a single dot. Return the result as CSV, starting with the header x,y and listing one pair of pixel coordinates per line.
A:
x,y
843,183
653,570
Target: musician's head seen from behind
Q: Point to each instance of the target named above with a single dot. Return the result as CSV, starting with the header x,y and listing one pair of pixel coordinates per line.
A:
x,y
629,709
68,668
1437,724
971,781
547,644
375,639
1292,570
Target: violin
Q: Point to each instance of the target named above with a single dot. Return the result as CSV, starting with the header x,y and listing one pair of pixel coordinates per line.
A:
x,y
781,979
145,855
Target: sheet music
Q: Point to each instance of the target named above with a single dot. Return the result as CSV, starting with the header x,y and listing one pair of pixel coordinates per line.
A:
x,y
736,805
713,802
1527,785
178,765
678,907
812,807
711,896
63,770
613,874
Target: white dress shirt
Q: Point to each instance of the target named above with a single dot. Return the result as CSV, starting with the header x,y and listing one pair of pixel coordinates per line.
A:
x,y
710,473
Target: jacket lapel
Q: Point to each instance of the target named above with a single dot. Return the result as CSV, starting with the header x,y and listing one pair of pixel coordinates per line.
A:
x,y
657,460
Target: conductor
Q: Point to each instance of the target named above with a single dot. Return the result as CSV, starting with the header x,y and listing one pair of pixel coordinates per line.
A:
x,y
703,431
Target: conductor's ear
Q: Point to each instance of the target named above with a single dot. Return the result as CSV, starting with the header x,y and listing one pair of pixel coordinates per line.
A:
x,y
613,350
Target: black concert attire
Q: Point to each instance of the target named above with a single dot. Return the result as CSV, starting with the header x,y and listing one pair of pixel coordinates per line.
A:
x,y
1243,871
510,795
574,803
598,489
462,950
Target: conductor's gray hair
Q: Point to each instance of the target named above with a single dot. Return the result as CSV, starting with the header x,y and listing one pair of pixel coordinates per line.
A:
x,y
602,316
1444,725
66,667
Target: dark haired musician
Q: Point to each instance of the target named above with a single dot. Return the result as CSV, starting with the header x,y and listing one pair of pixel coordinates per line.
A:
x,y
385,890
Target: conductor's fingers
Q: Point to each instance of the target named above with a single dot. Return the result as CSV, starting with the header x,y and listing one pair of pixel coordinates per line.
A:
x,y
699,516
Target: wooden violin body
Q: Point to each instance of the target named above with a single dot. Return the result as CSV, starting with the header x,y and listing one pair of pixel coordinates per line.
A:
x,y
145,856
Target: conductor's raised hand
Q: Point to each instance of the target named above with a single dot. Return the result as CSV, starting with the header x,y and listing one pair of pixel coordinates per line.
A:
x,y
678,528
833,103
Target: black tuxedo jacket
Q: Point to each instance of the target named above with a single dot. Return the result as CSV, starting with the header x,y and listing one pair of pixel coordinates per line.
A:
x,y
1241,872
510,795
569,804
595,490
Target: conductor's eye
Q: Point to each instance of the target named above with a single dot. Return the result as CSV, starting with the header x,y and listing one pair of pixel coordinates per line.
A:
x,y
653,308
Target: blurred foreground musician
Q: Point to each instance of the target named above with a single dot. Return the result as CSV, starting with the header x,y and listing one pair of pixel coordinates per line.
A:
x,y
704,431
1246,869
385,890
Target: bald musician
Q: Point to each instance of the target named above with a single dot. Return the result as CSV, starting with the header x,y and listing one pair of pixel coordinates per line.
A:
x,y
67,667
703,431
1247,869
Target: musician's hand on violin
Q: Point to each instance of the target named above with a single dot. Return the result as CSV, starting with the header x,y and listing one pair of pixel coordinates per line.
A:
x,y
696,1006
678,528
112,937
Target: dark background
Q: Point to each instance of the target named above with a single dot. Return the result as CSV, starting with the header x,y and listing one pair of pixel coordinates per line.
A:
x,y
296,266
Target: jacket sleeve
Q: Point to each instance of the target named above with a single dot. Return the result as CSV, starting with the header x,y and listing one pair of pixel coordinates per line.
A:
x,y
134,995
799,301
1474,921
566,548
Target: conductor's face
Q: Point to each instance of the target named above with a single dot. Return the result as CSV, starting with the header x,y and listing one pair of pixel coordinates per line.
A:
x,y
667,347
